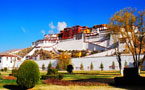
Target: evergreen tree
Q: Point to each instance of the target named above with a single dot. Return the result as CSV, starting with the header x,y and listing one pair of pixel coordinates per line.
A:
x,y
91,66
57,66
49,65
113,65
101,66
81,67
43,66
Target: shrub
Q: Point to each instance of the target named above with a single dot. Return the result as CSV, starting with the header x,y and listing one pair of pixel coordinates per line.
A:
x,y
51,71
84,53
76,53
57,76
43,66
14,73
101,66
60,51
102,50
82,67
5,69
70,68
28,74
2,70
91,66
93,52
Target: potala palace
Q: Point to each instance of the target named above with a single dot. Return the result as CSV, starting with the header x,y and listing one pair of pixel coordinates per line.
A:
x,y
77,37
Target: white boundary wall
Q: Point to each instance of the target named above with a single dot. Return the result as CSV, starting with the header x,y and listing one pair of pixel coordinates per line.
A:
x,y
40,63
107,62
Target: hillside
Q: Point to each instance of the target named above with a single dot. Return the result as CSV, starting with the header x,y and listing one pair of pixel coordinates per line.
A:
x,y
9,51
44,54
24,52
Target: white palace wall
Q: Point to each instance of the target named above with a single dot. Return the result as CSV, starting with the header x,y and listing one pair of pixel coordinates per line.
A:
x,y
71,45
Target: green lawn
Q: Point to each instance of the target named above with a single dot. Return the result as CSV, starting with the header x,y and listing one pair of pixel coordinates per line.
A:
x,y
96,76
7,81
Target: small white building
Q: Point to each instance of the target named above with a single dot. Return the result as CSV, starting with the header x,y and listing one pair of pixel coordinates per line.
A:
x,y
7,61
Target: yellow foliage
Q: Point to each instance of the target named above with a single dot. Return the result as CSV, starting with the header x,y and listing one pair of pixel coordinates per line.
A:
x,y
123,25
64,55
80,54
64,59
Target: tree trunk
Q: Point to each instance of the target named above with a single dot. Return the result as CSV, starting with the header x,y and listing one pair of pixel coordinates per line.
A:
x,y
120,66
121,72
139,71
141,63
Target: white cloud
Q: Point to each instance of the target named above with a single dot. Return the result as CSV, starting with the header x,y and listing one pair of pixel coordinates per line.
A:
x,y
51,25
23,29
61,25
43,32
51,32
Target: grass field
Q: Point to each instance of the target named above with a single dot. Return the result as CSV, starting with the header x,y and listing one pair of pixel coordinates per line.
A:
x,y
81,76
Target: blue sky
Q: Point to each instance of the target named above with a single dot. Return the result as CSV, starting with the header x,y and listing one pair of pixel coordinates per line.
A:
x,y
25,21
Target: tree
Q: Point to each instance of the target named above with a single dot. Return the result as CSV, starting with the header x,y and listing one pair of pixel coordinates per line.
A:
x,y
57,66
43,66
64,59
101,66
91,66
128,26
81,67
70,68
113,65
49,65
